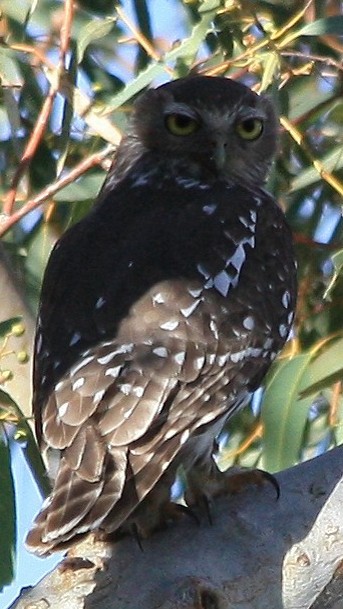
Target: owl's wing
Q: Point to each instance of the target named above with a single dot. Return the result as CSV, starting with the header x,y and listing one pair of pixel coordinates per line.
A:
x,y
123,413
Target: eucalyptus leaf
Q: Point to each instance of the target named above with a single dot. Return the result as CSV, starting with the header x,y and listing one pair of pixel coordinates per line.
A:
x,y
7,514
323,27
284,414
91,31
337,261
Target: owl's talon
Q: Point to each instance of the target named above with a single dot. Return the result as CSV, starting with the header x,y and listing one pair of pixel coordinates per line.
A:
x,y
136,535
267,477
207,483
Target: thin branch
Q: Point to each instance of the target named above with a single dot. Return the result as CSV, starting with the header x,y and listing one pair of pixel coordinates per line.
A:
x,y
41,123
329,61
6,222
141,39
298,137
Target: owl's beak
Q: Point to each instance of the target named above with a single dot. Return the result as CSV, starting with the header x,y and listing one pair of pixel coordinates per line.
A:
x,y
219,155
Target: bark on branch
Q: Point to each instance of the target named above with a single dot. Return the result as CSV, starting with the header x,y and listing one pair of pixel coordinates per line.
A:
x,y
259,553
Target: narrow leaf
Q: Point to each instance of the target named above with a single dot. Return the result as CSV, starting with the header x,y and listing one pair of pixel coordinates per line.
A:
x,y
337,261
331,161
186,48
94,29
284,414
7,515
29,446
321,27
325,369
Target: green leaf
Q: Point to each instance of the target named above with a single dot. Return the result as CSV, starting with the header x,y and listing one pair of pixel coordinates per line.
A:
x,y
322,27
83,189
6,326
331,161
30,449
19,10
94,29
187,48
284,414
337,261
270,67
9,71
7,515
326,369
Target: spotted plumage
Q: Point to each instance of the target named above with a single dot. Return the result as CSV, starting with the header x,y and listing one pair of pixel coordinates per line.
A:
x,y
162,310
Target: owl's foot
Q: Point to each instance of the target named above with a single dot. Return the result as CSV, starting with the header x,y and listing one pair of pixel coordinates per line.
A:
x,y
208,482
152,516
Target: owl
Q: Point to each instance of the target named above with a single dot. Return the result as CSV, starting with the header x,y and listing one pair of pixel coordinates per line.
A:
x,y
161,310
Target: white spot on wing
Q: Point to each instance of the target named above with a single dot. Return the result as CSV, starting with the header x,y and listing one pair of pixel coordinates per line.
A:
x,y
238,258
160,351
199,362
138,391
214,328
126,388
222,359
180,357
209,209
204,272
283,330
75,339
63,409
78,383
113,371
248,323
106,358
286,299
98,396
158,298
222,282
169,325
195,292
184,436
189,310
100,302
81,364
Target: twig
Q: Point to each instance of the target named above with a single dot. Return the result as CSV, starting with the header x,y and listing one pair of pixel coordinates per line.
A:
x,y
141,39
318,165
6,222
329,61
45,112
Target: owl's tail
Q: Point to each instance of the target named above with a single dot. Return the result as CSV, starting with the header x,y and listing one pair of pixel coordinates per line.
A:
x,y
82,497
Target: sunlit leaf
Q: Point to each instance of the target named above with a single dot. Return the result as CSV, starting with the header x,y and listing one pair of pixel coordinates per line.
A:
x,y
337,261
326,369
188,47
9,70
91,31
284,413
331,161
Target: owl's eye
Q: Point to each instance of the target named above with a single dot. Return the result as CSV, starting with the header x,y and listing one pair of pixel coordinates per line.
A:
x,y
181,124
250,128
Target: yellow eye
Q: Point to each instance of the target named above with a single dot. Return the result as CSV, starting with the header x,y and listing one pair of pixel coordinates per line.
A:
x,y
250,128
181,124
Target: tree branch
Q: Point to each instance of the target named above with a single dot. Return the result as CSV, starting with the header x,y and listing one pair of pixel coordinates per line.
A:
x,y
259,553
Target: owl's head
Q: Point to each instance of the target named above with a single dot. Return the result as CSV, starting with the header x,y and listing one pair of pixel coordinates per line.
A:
x,y
215,127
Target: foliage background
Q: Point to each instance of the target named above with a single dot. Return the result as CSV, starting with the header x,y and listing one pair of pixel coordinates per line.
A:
x,y
69,74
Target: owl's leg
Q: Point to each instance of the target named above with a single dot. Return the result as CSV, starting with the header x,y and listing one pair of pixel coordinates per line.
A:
x,y
206,481
156,511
